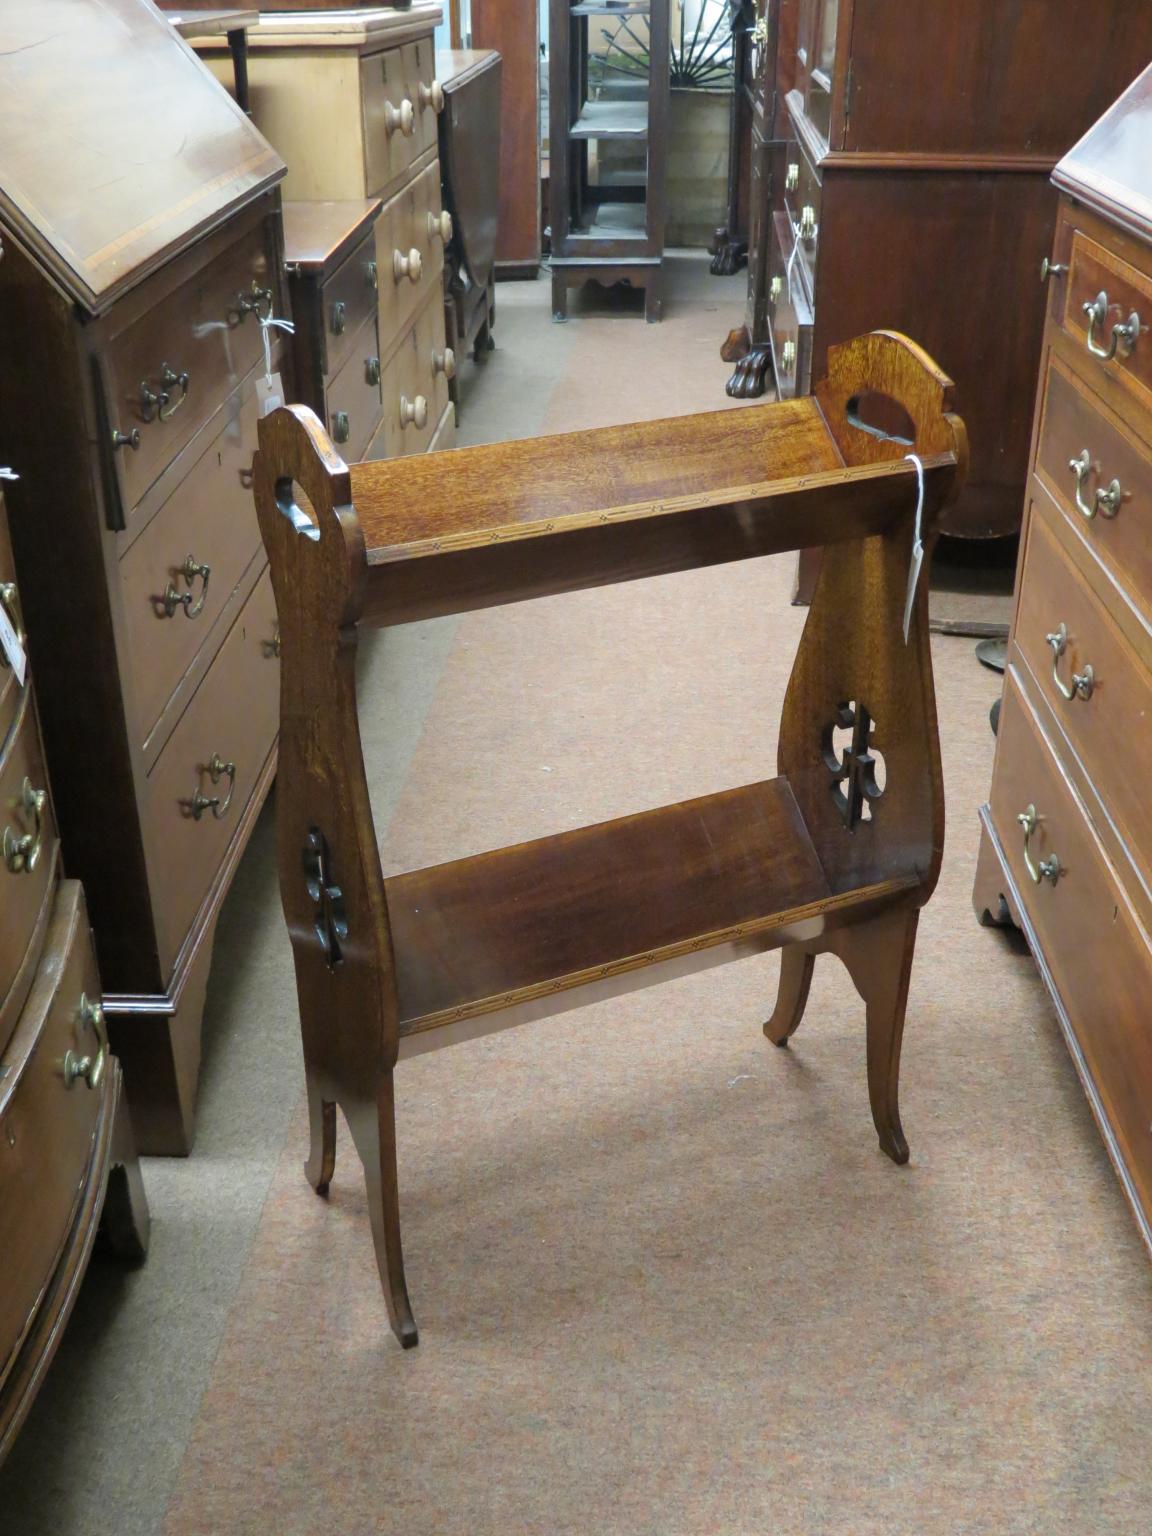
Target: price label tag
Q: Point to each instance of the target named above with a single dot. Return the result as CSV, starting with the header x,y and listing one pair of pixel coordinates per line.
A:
x,y
13,646
269,394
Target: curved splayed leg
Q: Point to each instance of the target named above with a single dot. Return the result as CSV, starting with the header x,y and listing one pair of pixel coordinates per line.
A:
x,y
796,967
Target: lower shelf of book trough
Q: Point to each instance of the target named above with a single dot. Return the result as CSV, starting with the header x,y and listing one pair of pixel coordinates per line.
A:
x,y
534,929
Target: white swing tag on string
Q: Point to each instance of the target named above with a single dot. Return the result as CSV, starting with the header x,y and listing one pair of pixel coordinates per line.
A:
x,y
917,547
269,389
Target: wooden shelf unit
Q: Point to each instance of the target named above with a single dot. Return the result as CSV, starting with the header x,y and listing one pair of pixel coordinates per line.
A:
x,y
626,245
824,858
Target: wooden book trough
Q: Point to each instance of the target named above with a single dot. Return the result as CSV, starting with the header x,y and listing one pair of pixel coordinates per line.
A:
x,y
827,857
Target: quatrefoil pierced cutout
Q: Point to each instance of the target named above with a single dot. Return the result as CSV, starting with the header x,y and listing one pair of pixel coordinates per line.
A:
x,y
857,768
331,920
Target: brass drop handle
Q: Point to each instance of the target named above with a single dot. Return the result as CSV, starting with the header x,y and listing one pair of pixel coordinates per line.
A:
x,y
340,426
257,302
216,769
414,412
371,276
338,318
1106,500
1047,869
792,177
775,288
431,95
402,117
1082,682
1051,269
372,370
174,598
1123,334
440,226
158,403
759,33
444,362
90,1068
22,851
10,602
410,266
807,226
274,643
788,357
126,439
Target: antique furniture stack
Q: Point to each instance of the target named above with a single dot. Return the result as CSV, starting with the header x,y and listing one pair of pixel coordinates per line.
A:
x,y
607,220
470,164
911,188
141,221
351,100
65,1137
837,854
1066,848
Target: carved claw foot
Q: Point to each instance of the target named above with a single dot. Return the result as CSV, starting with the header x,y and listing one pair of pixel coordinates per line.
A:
x,y
728,254
748,381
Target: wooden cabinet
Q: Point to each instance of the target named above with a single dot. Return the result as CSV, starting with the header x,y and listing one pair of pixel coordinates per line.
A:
x,y
65,1140
1066,848
914,194
351,99
128,407
512,29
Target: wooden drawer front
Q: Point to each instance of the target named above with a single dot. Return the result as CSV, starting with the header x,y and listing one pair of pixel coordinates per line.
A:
x,y
349,300
23,889
802,201
1075,421
790,317
1094,270
210,518
233,715
1112,706
10,690
401,229
420,73
46,1126
1093,945
198,330
415,386
353,396
392,131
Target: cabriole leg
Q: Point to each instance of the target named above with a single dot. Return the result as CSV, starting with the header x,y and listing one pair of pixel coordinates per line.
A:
x,y
376,1142
321,1162
796,967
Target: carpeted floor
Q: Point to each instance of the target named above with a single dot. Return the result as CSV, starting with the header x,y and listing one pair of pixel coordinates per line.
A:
x,y
666,1283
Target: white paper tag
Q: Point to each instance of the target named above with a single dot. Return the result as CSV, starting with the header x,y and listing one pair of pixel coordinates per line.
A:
x,y
269,394
13,647
917,559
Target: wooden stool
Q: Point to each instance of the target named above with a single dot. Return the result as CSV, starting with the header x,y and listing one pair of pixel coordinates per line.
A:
x,y
828,857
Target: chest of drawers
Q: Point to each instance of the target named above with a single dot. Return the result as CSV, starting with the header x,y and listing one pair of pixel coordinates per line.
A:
x,y
128,407
1066,849
350,99
63,1130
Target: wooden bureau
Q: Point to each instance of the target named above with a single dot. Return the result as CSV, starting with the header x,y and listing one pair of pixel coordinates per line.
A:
x,y
65,1138
1066,844
128,406
351,101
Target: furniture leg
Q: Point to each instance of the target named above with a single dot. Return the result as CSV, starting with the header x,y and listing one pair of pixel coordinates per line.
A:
x,y
749,381
988,898
374,1129
796,967
737,344
559,298
125,1222
728,254
238,47
878,955
321,1164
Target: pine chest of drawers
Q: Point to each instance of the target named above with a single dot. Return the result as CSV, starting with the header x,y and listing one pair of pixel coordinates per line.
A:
x,y
138,268
1066,849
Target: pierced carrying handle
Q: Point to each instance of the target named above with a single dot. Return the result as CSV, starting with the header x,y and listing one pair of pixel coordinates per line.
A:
x,y
1047,869
1124,334
1082,682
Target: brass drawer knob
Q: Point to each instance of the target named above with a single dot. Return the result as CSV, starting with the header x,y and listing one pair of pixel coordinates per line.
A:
x,y
409,266
775,288
788,357
1124,334
1107,499
431,95
340,427
792,177
402,117
440,226
1047,869
216,770
338,318
126,439
806,228
414,412
1051,269
1082,682
89,1068
174,598
445,363
22,851
372,370
371,276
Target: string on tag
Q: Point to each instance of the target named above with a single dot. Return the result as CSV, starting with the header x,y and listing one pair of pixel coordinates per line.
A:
x,y
792,260
266,324
8,474
917,545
